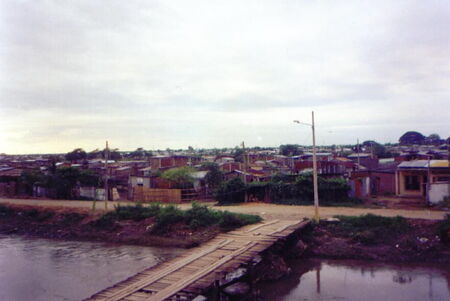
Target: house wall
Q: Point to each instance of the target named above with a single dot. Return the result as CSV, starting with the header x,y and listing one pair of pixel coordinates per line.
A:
x,y
438,191
383,183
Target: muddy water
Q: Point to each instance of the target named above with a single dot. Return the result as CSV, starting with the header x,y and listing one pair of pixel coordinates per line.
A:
x,y
360,280
39,269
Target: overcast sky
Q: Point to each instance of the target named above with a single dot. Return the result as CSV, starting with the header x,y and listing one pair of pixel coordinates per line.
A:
x,y
159,74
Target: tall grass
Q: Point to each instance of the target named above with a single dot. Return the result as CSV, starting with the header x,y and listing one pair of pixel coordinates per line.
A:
x,y
199,216
370,228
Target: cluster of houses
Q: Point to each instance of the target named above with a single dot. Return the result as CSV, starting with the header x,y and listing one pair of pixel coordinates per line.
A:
x,y
420,171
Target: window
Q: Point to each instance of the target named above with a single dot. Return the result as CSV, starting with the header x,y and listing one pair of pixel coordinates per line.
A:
x,y
412,183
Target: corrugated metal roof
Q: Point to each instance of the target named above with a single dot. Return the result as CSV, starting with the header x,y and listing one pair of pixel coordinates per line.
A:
x,y
424,164
439,163
414,164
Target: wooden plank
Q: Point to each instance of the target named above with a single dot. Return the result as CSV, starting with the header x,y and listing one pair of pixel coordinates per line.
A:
x,y
177,265
262,225
192,272
173,289
287,226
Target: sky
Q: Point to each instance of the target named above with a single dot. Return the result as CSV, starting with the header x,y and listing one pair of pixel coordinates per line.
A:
x,y
173,74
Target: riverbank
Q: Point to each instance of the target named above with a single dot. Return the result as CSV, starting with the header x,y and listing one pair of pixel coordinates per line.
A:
x,y
379,239
150,226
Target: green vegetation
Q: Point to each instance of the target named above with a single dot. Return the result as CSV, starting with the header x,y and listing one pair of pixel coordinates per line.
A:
x,y
199,216
232,191
370,228
214,177
444,229
76,155
61,182
181,176
286,189
290,150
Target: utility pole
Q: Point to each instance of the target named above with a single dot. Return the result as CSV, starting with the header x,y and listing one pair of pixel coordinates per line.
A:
x,y
316,185
245,163
357,153
315,180
106,175
245,170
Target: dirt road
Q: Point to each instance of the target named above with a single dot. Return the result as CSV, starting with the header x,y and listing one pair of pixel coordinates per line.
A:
x,y
268,211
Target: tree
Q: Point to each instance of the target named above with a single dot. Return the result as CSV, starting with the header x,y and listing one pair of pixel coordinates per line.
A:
x,y
214,177
180,176
289,150
76,154
29,178
411,138
376,148
434,139
113,154
232,191
139,153
65,179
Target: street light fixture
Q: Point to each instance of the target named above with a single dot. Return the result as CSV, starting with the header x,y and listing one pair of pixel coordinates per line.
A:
x,y
315,181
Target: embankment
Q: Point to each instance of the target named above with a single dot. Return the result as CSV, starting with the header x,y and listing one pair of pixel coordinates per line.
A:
x,y
153,226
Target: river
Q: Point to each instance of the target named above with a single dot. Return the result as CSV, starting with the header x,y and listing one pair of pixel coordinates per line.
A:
x,y
314,279
40,269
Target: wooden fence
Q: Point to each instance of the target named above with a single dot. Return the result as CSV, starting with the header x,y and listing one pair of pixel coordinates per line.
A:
x,y
162,195
144,194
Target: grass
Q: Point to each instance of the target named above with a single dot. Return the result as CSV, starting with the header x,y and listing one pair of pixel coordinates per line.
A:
x,y
199,216
370,228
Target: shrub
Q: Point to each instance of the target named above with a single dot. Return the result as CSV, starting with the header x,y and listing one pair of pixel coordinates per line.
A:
x,y
234,220
372,228
5,211
281,190
137,212
444,229
37,215
200,216
232,191
197,217
168,216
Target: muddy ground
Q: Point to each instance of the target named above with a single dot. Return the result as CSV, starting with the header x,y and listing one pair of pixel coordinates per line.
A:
x,y
419,243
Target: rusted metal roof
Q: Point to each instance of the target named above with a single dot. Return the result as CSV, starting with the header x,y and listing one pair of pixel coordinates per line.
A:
x,y
14,172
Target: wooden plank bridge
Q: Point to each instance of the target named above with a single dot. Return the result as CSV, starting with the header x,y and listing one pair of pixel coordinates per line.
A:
x,y
188,275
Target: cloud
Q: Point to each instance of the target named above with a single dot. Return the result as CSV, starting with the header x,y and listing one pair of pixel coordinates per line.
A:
x,y
210,73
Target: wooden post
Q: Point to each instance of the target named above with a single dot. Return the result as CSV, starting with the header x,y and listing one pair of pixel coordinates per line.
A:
x,y
316,188
106,176
245,171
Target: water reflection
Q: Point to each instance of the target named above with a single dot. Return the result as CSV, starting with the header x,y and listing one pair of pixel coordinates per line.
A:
x,y
359,280
39,269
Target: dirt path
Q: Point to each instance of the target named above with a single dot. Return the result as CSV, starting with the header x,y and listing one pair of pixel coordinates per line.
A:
x,y
268,211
